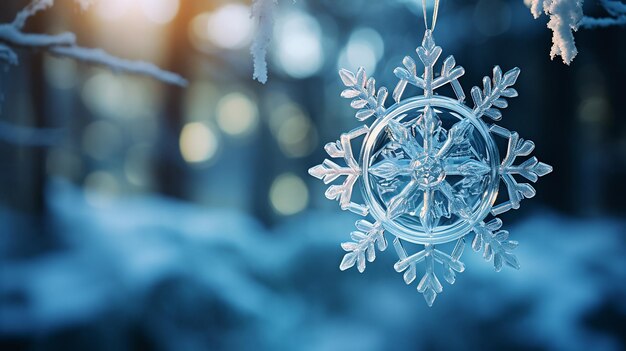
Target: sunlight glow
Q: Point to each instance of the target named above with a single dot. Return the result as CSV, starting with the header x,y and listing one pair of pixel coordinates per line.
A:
x,y
112,9
230,27
160,11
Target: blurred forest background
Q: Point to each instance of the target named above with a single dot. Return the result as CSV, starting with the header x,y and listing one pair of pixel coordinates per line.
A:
x,y
139,215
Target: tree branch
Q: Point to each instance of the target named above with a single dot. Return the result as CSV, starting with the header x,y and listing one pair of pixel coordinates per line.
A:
x,y
64,44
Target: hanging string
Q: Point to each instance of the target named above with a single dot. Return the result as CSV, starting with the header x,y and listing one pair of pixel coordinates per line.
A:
x,y
435,13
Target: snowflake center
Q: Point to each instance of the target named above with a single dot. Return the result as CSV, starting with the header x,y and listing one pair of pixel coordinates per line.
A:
x,y
428,171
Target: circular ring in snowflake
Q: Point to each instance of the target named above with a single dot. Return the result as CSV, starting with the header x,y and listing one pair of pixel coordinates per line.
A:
x,y
429,169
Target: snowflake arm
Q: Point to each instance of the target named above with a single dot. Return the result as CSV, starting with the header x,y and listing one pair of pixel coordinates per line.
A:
x,y
429,285
428,53
363,92
391,168
406,74
366,239
402,136
456,135
494,243
491,95
400,203
531,169
328,171
469,168
429,122
457,204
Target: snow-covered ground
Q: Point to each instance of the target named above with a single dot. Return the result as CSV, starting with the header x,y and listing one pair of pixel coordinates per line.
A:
x,y
173,276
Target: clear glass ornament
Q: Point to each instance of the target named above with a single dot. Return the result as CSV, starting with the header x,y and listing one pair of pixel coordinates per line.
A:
x,y
429,169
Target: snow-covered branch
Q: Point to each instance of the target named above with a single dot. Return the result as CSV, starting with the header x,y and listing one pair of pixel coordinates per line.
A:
x,y
566,16
101,57
617,15
65,44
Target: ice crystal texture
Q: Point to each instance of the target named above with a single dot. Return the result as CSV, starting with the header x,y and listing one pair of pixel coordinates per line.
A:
x,y
429,170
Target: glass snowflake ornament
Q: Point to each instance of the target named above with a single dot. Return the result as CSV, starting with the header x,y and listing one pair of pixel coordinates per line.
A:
x,y
429,170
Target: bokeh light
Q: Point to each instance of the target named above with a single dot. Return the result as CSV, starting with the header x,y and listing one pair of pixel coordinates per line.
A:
x,y
198,143
230,26
101,189
293,129
365,47
101,139
103,94
298,44
109,95
138,166
200,100
65,163
160,11
61,73
288,194
237,114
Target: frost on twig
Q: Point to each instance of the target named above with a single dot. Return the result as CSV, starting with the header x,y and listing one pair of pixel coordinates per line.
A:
x,y
65,45
366,239
263,12
616,11
566,16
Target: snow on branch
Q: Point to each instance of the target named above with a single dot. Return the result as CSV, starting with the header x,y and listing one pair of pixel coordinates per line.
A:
x,y
101,57
29,11
64,44
617,15
263,12
566,16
